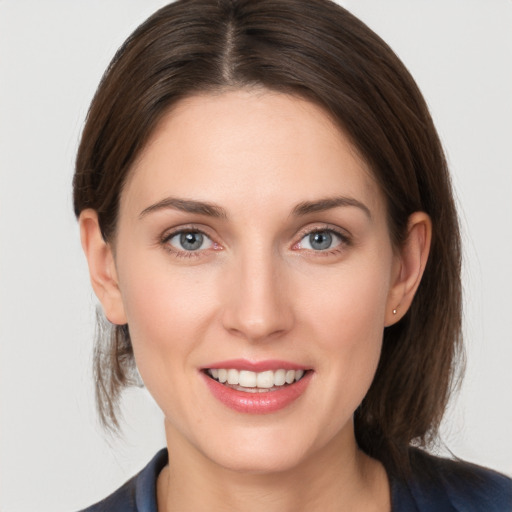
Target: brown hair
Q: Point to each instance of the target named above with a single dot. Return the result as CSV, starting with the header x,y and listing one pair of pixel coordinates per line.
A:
x,y
318,50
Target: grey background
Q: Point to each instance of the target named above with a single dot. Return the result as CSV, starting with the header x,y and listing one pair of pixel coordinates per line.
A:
x,y
53,455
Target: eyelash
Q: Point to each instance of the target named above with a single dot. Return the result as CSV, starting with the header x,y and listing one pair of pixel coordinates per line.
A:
x,y
344,241
167,237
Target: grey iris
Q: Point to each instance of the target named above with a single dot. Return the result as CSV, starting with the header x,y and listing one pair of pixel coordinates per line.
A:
x,y
320,240
191,241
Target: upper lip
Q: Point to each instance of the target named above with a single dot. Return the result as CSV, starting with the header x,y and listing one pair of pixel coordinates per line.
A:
x,y
256,366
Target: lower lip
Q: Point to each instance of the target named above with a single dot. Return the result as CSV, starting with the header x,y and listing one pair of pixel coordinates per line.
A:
x,y
258,403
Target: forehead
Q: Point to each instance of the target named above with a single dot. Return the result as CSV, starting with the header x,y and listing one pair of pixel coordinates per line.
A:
x,y
251,145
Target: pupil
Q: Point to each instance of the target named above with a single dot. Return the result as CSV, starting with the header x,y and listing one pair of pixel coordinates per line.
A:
x,y
321,240
191,241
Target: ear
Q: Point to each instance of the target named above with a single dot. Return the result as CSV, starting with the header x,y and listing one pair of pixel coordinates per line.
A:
x,y
102,268
411,261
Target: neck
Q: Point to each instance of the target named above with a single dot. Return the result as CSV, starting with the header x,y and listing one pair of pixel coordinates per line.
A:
x,y
340,473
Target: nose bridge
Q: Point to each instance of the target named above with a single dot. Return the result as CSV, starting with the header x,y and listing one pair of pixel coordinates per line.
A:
x,y
257,307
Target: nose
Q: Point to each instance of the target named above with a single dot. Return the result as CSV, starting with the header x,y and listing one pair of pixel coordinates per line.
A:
x,y
257,306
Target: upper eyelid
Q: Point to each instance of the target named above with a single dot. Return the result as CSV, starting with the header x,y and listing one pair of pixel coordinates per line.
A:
x,y
341,236
342,239
343,233
171,232
166,237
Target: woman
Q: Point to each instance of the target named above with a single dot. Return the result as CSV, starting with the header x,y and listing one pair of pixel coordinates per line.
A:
x,y
269,225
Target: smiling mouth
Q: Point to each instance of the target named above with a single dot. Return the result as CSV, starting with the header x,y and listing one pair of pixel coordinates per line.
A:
x,y
255,382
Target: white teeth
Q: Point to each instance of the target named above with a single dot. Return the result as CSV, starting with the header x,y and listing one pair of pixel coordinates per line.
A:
x,y
251,380
280,377
265,379
247,379
290,376
233,376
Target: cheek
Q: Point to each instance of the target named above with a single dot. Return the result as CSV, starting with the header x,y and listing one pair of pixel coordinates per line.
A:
x,y
168,312
351,303
159,298
168,318
347,321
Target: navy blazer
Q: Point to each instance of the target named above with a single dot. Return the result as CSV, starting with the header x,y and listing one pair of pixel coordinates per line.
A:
x,y
444,486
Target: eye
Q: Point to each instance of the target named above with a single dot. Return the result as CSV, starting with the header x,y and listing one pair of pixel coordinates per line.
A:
x,y
321,240
189,241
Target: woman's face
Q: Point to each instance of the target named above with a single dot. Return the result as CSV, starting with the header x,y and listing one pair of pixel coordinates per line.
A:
x,y
252,238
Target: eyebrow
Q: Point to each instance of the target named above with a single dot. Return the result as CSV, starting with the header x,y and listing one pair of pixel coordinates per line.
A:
x,y
328,203
186,205
213,210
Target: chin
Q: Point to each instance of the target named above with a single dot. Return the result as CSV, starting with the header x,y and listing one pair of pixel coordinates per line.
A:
x,y
258,461
262,450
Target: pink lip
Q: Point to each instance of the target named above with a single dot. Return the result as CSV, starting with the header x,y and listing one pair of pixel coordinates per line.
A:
x,y
256,366
257,403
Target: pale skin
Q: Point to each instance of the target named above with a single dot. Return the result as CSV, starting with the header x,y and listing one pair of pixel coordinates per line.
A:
x,y
273,169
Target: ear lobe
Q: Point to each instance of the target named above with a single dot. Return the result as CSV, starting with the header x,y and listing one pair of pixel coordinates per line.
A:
x,y
412,260
102,268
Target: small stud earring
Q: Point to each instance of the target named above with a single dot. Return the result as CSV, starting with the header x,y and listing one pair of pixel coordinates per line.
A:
x,y
394,311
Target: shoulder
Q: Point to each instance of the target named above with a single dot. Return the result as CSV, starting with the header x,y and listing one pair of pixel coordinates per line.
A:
x,y
438,484
138,494
122,500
